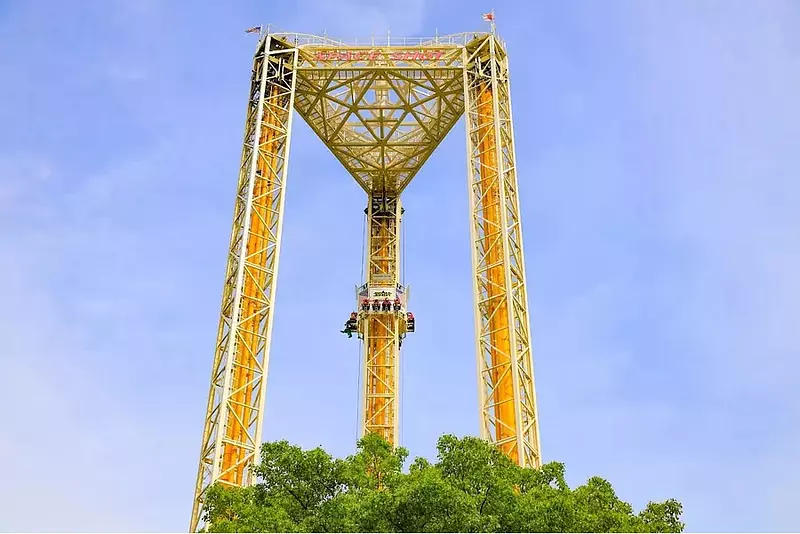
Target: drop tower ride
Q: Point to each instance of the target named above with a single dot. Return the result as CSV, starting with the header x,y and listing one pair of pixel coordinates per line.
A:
x,y
382,108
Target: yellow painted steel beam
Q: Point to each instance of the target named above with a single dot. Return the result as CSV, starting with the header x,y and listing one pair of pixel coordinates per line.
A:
x,y
233,423
492,248
381,348
507,396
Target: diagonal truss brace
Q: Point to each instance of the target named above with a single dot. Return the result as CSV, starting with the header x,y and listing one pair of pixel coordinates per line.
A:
x,y
507,397
234,417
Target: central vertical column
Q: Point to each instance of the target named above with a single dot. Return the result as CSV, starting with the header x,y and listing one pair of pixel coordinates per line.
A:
x,y
381,330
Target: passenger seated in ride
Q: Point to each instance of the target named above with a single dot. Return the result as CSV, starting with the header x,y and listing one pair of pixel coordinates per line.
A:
x,y
351,325
410,322
376,305
387,306
397,304
365,304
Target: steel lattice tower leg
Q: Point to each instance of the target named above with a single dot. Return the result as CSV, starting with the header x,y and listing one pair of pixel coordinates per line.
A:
x,y
234,417
381,348
507,394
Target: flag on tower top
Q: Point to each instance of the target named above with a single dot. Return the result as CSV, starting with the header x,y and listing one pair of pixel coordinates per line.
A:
x,y
488,17
254,29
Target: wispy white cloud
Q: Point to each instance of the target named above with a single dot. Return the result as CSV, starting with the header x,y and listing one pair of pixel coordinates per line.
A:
x,y
708,99
21,177
729,79
69,309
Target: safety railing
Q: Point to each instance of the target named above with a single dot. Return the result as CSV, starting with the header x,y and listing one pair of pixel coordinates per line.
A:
x,y
307,39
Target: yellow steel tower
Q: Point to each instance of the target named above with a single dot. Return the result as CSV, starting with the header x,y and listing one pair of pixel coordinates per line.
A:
x,y
382,108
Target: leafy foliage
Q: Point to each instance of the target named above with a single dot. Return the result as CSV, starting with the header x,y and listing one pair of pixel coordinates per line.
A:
x,y
472,487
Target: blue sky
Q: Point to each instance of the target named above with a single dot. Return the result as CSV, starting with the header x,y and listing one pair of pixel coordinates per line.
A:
x,y
658,162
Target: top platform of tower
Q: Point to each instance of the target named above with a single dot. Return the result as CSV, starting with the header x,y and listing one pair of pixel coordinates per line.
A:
x,y
382,105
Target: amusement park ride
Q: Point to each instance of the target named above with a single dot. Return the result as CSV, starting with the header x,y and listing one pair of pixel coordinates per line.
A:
x,y
381,108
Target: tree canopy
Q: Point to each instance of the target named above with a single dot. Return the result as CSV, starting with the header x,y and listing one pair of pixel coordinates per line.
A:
x,y
472,487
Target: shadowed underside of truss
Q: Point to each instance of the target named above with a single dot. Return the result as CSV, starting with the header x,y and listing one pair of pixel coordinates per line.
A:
x,y
382,119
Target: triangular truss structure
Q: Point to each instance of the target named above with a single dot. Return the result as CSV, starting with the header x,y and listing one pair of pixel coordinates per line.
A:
x,y
381,117
382,108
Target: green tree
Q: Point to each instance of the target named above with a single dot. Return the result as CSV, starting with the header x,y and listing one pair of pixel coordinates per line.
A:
x,y
472,487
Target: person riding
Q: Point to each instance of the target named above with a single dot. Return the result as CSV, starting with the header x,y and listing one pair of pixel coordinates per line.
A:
x,y
387,305
397,304
351,325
